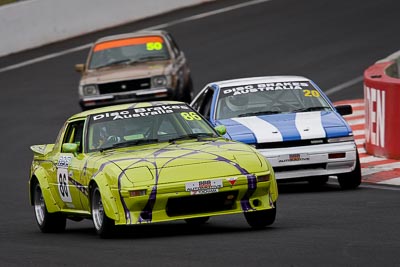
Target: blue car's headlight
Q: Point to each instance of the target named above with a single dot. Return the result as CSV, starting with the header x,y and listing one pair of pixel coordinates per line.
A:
x,y
341,139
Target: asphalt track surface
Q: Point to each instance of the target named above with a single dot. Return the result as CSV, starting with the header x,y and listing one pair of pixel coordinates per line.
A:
x,y
331,42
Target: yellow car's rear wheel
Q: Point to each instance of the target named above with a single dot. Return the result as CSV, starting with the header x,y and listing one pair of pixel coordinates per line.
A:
x,y
47,222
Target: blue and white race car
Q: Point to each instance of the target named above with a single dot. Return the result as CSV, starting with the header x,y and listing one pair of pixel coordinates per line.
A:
x,y
290,121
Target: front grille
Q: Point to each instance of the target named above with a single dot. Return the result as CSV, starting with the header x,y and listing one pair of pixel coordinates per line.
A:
x,y
197,204
300,167
309,142
124,86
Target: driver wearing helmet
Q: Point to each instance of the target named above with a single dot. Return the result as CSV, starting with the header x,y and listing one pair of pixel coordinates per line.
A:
x,y
236,105
109,135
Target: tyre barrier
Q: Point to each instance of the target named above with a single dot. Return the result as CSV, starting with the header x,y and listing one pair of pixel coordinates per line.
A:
x,y
382,107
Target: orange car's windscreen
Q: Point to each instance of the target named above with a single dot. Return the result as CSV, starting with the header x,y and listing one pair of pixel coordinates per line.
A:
x,y
127,42
128,50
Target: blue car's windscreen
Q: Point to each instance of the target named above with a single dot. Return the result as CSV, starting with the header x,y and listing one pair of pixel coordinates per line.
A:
x,y
269,98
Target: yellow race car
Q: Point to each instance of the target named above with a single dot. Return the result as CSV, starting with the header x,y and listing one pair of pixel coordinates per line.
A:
x,y
147,162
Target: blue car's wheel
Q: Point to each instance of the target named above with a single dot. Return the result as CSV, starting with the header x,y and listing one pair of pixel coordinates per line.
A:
x,y
351,180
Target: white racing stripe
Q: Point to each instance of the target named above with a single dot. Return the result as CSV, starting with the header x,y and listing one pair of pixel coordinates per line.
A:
x,y
309,125
264,131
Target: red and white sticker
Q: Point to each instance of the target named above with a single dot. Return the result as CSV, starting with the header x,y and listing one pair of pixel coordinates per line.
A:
x,y
203,187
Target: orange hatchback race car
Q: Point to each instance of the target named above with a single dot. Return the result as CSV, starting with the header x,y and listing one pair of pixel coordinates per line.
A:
x,y
133,67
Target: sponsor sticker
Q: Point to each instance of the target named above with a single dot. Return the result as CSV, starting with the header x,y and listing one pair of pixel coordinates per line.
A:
x,y
140,112
262,87
63,177
294,158
203,187
232,180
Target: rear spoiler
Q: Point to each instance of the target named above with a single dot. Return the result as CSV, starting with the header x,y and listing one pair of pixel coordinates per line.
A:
x,y
41,150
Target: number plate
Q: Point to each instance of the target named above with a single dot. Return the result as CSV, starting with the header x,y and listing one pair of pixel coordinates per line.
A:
x,y
294,158
203,187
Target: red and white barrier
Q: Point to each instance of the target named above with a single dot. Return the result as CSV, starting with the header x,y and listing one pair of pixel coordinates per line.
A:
x,y
382,109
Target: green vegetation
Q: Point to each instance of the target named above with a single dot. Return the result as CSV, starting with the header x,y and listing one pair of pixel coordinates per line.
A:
x,y
4,2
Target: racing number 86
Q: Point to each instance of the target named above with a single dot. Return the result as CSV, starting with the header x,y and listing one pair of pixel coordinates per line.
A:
x,y
189,116
311,93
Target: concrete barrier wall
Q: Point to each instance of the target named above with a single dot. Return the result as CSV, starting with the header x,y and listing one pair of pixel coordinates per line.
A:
x,y
381,96
33,23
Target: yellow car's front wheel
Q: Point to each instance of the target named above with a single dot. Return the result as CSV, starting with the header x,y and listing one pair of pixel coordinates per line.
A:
x,y
261,218
104,226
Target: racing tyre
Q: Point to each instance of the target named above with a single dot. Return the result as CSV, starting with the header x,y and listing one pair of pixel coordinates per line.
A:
x,y
351,180
261,219
104,226
47,222
197,221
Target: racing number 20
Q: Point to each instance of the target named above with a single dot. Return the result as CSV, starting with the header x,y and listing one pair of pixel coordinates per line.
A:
x,y
311,93
189,116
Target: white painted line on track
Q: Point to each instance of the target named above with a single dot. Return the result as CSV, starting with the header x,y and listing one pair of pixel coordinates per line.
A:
x,y
160,26
371,159
356,113
356,122
342,86
380,186
356,105
359,141
359,132
380,168
362,150
394,181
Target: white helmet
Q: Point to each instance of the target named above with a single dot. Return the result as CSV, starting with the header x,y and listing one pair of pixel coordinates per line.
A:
x,y
237,102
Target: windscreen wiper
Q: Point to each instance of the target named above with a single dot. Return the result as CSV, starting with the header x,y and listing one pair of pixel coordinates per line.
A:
x,y
141,59
316,108
117,62
199,137
130,143
266,112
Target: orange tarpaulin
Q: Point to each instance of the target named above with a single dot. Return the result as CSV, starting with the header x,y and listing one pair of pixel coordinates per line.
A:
x,y
127,42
